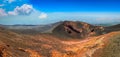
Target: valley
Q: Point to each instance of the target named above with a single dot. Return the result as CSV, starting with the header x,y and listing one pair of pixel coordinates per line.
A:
x,y
66,39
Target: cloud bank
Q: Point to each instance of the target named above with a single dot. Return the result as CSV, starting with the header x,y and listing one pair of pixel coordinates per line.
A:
x,y
25,9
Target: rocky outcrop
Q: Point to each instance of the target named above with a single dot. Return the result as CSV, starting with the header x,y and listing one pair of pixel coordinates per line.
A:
x,y
77,29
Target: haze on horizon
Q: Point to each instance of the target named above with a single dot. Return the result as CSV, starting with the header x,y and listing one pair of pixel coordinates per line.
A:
x,y
50,11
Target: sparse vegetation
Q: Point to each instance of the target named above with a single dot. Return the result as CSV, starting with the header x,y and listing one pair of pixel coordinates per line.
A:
x,y
113,47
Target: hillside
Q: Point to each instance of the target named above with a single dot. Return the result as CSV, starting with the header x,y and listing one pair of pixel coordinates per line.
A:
x,y
112,28
77,29
13,44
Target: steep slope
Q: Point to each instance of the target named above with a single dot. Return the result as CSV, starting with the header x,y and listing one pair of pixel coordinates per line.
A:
x,y
77,29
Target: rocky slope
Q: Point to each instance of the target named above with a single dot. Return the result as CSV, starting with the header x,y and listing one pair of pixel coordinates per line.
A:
x,y
48,45
77,29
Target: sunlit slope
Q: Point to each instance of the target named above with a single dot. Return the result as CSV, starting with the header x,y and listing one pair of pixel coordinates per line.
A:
x,y
47,45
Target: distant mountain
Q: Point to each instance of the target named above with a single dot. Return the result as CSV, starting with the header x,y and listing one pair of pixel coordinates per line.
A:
x,y
31,29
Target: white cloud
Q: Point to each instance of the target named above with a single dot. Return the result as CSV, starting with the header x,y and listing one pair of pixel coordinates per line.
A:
x,y
43,16
25,9
2,12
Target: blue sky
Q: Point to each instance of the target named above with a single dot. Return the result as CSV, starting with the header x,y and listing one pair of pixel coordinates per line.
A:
x,y
50,11
77,5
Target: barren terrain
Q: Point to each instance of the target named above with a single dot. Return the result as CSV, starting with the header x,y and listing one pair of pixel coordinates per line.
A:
x,y
13,44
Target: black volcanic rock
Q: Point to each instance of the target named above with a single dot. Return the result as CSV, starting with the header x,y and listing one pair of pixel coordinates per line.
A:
x,y
77,29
